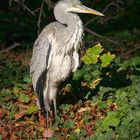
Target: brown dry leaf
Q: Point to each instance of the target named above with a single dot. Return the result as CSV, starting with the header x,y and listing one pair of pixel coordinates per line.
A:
x,y
14,136
19,115
84,109
3,132
42,120
48,133
81,122
23,123
89,128
113,106
1,113
66,117
29,129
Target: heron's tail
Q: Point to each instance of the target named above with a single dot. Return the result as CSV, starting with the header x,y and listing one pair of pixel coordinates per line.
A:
x,y
40,86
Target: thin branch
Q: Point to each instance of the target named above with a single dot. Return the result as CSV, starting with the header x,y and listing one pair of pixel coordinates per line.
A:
x,y
115,4
100,36
50,3
130,51
10,3
91,20
25,7
10,48
40,14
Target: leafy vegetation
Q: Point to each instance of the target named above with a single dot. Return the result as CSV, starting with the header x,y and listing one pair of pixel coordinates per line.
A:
x,y
101,101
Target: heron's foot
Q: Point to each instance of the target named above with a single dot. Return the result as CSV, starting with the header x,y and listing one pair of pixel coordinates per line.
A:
x,y
37,102
53,110
49,110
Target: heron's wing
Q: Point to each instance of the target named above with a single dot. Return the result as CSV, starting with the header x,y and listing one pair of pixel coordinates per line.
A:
x,y
42,55
40,63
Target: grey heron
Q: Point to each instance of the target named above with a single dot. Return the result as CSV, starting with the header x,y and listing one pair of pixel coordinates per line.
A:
x,y
56,52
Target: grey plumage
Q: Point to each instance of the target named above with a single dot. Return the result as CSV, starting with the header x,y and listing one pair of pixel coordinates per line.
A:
x,y
56,51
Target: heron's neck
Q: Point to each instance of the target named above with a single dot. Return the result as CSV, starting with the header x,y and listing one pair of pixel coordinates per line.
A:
x,y
73,21
73,31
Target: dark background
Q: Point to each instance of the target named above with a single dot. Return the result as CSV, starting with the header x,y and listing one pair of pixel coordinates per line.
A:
x,y
19,19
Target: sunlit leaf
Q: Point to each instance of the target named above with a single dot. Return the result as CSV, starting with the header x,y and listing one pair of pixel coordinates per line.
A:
x,y
106,59
24,98
32,109
92,54
77,130
111,120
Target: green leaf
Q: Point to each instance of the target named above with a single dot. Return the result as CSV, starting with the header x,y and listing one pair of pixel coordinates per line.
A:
x,y
92,54
55,138
106,59
25,86
104,90
24,98
65,107
27,79
32,109
71,123
110,120
130,63
16,90
99,137
5,92
123,131
136,115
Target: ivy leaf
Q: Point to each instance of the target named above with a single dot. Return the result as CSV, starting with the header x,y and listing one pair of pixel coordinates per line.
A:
x,y
106,59
24,98
5,92
136,116
27,79
110,120
32,109
92,54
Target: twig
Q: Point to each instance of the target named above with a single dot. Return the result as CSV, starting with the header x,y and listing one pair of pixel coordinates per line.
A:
x,y
100,36
105,9
10,3
25,7
112,4
91,20
130,51
50,3
10,48
39,17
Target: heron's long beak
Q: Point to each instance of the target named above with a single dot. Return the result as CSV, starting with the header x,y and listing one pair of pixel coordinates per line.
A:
x,y
84,9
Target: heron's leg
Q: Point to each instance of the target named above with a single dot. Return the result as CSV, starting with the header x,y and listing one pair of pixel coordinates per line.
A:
x,y
50,98
37,102
46,112
54,107
47,118
46,103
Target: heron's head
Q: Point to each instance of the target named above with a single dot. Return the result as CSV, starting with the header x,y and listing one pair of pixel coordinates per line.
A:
x,y
75,6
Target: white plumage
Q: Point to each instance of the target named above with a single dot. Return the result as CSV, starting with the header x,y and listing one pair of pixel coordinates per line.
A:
x,y
56,52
